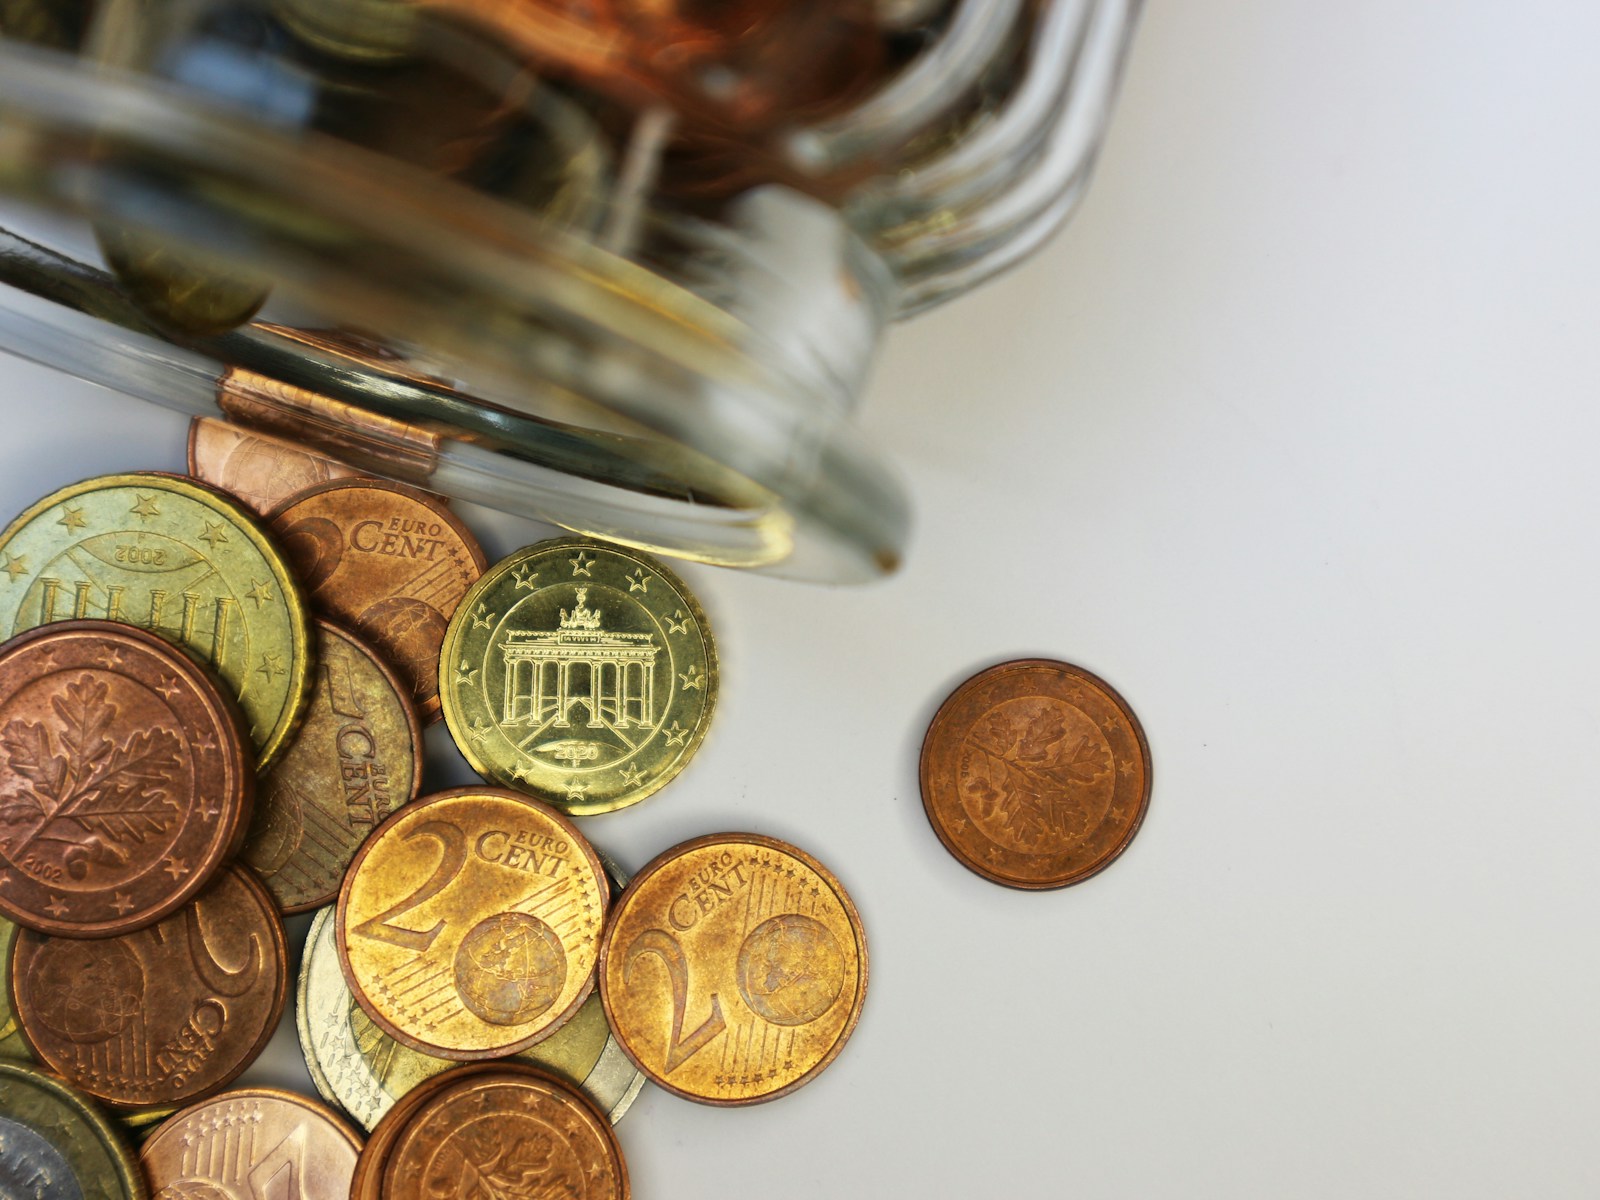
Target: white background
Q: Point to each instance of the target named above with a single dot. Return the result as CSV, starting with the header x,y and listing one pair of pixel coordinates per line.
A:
x,y
1290,437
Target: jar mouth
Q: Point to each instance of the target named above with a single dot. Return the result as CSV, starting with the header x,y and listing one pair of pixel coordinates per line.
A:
x,y
665,397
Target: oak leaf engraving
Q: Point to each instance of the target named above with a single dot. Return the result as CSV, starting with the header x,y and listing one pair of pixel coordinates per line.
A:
x,y
1025,781
94,793
495,1166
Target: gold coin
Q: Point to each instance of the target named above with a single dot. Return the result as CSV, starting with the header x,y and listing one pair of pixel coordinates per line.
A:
x,y
469,923
580,672
55,1144
734,969
364,1071
252,1142
181,560
356,758
11,1043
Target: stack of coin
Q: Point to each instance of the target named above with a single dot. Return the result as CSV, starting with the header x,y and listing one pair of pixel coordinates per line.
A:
x,y
190,751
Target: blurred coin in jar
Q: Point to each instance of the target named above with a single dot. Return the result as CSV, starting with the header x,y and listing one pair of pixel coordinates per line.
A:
x,y
580,672
163,1015
356,757
175,557
389,561
260,470
124,778
733,969
520,1132
1035,774
469,923
252,1142
363,1070
56,1145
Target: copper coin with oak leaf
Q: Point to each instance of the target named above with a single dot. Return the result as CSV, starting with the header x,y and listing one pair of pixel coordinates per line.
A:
x,y
1035,774
125,778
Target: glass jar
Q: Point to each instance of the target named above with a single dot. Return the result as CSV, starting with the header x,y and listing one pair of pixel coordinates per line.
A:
x,y
618,265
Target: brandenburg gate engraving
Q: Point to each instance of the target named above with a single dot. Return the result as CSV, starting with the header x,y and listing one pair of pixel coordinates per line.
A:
x,y
550,672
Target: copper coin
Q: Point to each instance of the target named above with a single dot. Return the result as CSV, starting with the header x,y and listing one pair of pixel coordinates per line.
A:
x,y
356,758
386,1133
126,777
519,1132
1035,774
261,470
734,969
252,1142
163,1015
387,560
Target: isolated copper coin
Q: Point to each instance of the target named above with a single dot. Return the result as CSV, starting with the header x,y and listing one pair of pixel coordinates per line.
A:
x,y
261,470
389,561
126,777
252,1142
163,1015
355,759
1035,774
517,1133
733,969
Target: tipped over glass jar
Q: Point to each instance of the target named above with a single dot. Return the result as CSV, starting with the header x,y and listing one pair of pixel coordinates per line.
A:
x,y
619,265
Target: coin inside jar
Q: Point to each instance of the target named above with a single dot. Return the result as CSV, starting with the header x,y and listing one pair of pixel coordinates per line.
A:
x,y
55,1145
1035,774
518,1131
469,923
387,560
177,558
261,470
734,969
355,759
162,1015
252,1142
124,778
583,673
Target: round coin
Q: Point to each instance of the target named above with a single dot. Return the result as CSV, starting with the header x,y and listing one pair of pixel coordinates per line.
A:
x,y
520,1132
55,1145
356,758
1035,774
261,470
389,561
469,923
124,779
163,1015
252,1142
581,672
734,969
172,556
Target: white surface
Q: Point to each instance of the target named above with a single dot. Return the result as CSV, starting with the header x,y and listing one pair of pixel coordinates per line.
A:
x,y
1290,437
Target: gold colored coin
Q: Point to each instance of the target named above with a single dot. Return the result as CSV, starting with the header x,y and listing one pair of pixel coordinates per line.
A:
x,y
363,1070
734,969
580,672
469,923
56,1145
355,759
11,1043
175,557
252,1142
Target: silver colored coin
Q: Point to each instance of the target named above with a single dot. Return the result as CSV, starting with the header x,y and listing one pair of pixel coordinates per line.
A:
x,y
30,1166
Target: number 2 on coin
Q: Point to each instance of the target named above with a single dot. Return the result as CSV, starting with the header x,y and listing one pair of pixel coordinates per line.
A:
x,y
452,857
664,946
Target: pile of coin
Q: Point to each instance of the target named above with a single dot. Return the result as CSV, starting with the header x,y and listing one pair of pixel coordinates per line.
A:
x,y
211,714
